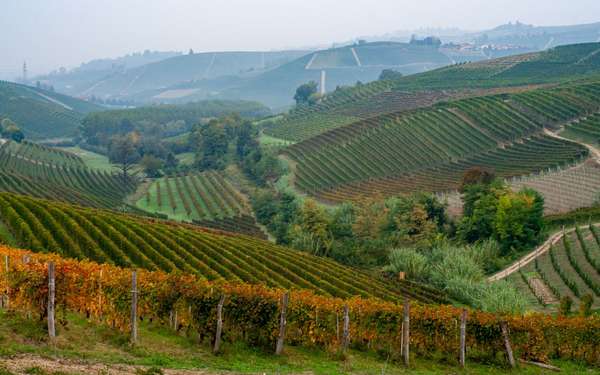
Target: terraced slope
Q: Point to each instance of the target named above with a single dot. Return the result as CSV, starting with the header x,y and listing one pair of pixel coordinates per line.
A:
x,y
125,240
342,107
207,199
430,149
586,130
40,113
571,268
36,152
47,173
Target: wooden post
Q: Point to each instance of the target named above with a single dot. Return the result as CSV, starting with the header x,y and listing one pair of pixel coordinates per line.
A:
x,y
282,323
6,298
134,298
346,330
219,325
463,338
505,335
406,333
51,295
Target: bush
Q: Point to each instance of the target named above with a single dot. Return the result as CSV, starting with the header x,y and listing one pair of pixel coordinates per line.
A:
x,y
502,297
585,305
565,306
409,261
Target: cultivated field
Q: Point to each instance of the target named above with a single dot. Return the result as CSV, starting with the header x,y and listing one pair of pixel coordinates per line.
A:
x,y
207,199
429,149
124,240
570,268
45,172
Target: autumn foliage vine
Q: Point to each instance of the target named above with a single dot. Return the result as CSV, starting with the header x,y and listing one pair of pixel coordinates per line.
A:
x,y
251,312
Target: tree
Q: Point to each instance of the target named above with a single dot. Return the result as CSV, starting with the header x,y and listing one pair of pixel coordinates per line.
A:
x,y
304,92
152,165
211,144
124,152
519,220
389,74
10,130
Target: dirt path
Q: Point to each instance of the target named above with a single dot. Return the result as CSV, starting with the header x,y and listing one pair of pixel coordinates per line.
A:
x,y
540,250
594,151
23,364
542,291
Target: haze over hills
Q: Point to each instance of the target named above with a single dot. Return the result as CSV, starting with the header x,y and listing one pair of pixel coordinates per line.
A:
x,y
272,76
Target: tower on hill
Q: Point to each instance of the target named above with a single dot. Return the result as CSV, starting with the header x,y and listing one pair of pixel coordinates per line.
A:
x,y
322,84
24,71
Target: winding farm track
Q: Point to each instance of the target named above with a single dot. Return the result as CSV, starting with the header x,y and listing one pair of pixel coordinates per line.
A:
x,y
540,250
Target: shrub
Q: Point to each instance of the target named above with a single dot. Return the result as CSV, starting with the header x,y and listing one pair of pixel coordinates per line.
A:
x,y
585,305
410,261
565,305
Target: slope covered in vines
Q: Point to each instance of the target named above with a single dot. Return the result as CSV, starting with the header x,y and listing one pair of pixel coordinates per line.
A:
x,y
41,113
125,240
346,105
206,198
429,149
571,268
49,173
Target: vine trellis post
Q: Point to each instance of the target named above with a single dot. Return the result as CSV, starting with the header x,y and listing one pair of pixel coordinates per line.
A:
x,y
282,323
217,345
134,300
51,297
406,333
463,338
5,297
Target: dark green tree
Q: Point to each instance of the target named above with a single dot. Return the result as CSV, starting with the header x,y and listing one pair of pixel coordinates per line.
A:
x,y
123,151
304,92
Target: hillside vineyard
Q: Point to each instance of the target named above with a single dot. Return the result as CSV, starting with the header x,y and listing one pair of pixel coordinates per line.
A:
x,y
423,152
207,199
124,240
44,172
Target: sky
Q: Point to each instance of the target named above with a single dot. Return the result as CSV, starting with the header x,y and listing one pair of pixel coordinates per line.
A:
x,y
53,33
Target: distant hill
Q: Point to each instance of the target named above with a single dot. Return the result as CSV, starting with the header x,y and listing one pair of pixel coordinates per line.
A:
x,y
170,71
343,66
42,113
538,37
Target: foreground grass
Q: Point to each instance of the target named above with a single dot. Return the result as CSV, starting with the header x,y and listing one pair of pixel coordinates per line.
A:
x,y
159,347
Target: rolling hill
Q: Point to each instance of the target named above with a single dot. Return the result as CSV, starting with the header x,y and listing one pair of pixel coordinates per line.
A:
x,y
124,240
342,107
207,199
45,172
419,150
171,71
343,66
41,113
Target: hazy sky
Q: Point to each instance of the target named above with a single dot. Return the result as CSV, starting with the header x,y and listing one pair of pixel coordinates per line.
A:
x,y
52,33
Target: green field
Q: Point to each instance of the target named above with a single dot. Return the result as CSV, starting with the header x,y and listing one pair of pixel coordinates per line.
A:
x,y
91,159
125,240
